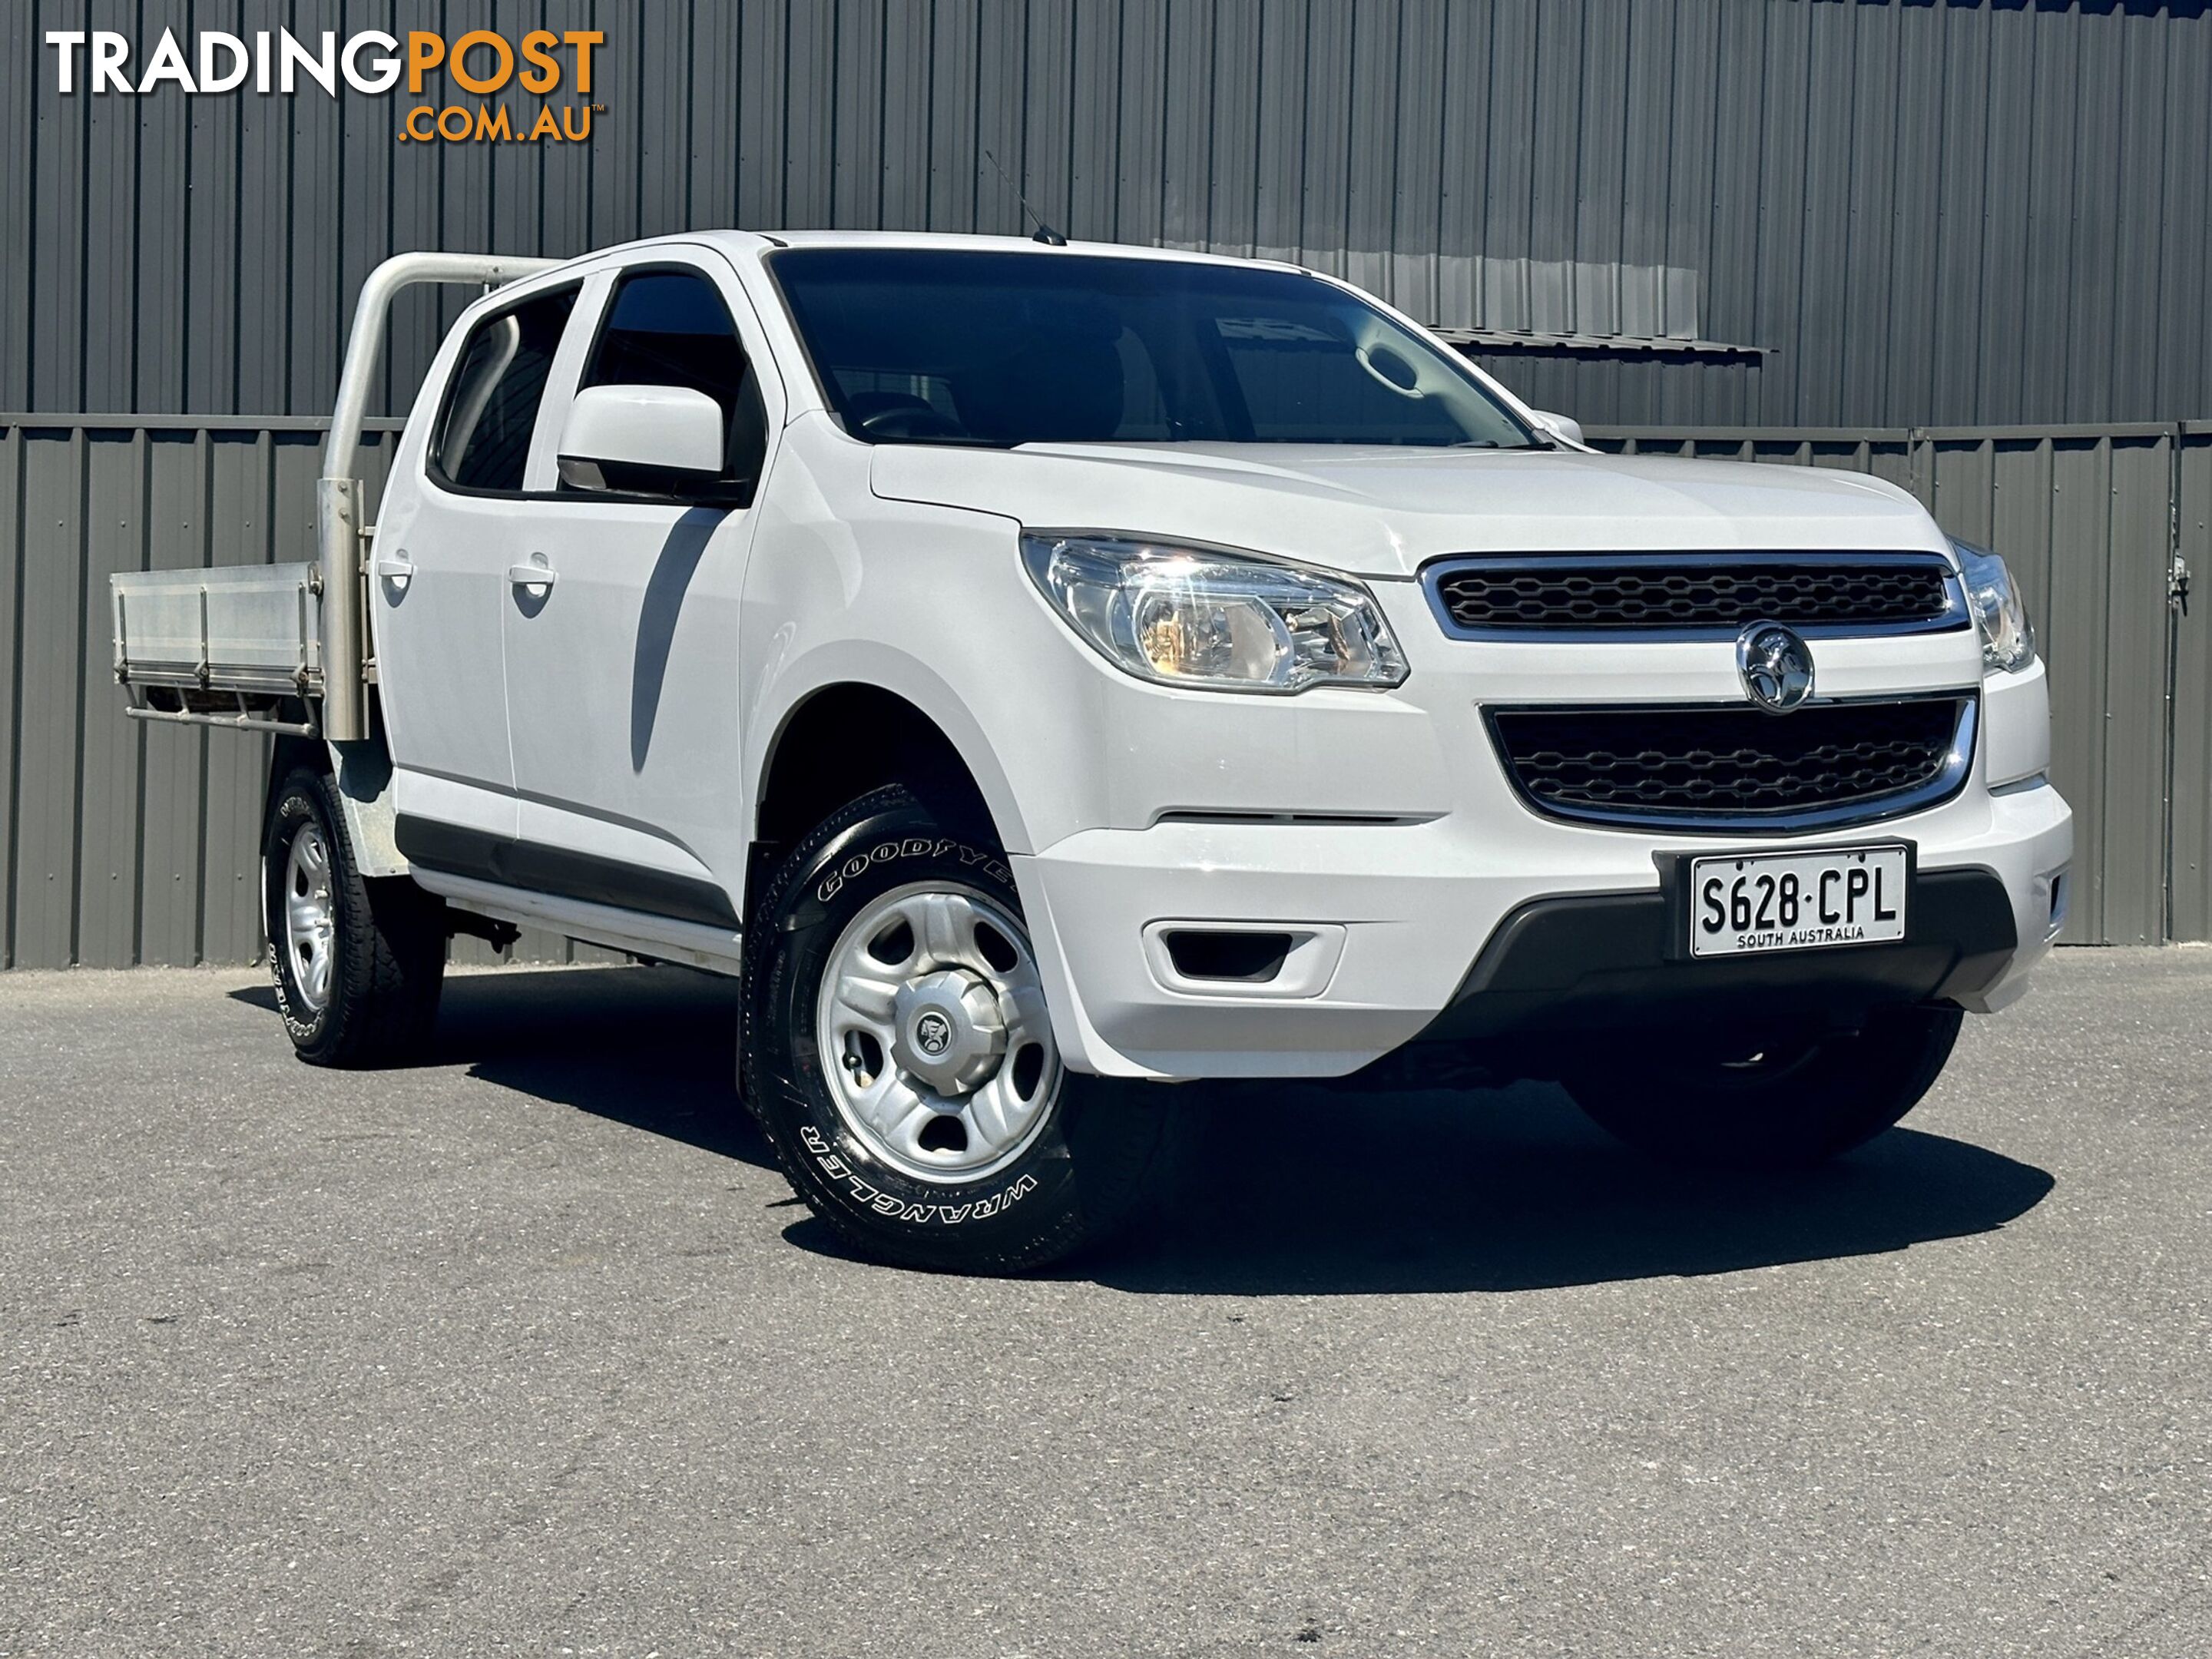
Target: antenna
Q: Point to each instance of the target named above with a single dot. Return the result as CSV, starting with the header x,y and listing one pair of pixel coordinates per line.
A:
x,y
1044,233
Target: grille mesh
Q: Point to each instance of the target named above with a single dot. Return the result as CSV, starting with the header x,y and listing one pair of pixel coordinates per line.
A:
x,y
1726,763
1646,594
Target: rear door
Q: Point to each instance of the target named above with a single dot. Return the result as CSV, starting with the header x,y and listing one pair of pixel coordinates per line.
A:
x,y
621,664
439,589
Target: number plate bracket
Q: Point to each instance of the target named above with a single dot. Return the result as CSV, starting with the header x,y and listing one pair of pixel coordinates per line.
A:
x,y
1674,883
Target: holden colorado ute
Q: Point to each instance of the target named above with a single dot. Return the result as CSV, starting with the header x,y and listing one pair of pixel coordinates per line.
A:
x,y
1043,674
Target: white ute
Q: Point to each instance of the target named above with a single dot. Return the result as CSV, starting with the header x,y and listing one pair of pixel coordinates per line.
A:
x,y
1042,673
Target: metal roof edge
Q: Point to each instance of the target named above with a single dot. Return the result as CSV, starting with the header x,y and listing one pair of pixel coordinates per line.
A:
x,y
1501,339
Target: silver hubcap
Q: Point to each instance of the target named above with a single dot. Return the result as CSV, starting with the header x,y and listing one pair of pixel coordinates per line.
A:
x,y
934,1033
310,919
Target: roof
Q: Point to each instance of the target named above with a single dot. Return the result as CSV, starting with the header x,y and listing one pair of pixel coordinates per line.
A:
x,y
950,241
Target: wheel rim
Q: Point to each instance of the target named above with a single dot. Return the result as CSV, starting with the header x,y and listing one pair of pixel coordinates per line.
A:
x,y
934,1034
310,918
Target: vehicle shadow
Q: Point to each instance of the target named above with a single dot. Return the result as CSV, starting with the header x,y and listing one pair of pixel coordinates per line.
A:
x,y
1305,1191
1284,1189
653,1048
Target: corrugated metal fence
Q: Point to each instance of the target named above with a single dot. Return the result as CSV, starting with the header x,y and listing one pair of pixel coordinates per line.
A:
x,y
121,844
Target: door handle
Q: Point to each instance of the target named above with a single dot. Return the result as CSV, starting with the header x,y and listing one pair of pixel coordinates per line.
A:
x,y
398,570
530,575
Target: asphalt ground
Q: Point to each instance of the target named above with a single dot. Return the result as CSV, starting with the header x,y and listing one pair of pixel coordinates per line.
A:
x,y
528,1350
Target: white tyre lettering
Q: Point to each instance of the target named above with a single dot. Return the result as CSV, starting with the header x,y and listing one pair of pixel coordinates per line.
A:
x,y
871,1197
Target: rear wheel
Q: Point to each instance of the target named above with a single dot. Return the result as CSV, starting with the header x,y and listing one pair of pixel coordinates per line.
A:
x,y
357,964
898,1053
1790,1100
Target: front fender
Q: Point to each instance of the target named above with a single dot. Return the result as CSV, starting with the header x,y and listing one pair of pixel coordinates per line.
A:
x,y
849,661
930,604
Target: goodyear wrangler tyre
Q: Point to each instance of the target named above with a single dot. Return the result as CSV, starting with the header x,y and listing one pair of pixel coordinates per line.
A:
x,y
357,964
898,1055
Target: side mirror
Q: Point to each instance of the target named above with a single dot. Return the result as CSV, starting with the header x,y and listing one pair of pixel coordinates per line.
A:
x,y
653,439
1564,427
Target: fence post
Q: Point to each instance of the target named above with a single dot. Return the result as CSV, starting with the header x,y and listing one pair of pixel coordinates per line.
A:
x,y
2177,595
1922,485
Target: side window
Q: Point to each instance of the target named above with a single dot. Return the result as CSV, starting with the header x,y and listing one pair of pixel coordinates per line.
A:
x,y
482,437
671,328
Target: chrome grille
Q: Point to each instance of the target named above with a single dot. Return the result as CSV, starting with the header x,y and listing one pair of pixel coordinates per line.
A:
x,y
1737,767
1694,594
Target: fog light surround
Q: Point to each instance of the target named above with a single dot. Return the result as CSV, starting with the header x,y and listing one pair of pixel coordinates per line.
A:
x,y
1275,960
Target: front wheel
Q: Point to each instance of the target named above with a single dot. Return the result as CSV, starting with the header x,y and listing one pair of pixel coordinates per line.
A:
x,y
1785,1100
900,1057
357,963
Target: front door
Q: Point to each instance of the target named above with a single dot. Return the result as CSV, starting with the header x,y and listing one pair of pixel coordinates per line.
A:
x,y
622,663
439,587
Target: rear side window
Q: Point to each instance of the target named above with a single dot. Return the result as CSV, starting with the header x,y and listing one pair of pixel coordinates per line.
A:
x,y
483,439
671,328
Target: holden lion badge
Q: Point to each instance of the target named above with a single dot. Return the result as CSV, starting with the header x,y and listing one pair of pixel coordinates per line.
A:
x,y
1776,665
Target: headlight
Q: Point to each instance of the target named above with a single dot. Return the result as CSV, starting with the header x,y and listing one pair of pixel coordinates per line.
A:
x,y
1183,616
2007,640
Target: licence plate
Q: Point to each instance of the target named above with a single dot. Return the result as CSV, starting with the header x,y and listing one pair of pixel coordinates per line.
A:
x,y
1755,902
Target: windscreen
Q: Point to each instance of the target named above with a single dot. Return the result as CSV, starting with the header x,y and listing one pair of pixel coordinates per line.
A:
x,y
934,345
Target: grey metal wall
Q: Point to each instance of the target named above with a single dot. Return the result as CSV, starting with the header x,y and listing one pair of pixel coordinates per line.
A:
x,y
1932,213
123,843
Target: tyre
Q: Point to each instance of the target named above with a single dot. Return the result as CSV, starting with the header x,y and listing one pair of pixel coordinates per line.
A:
x,y
357,964
1795,1102
898,1055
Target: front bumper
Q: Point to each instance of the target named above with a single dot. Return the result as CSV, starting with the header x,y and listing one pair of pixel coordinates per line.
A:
x,y
1383,829
1406,910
